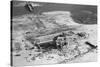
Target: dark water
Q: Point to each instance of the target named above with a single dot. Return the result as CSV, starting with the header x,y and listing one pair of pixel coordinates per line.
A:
x,y
74,9
52,7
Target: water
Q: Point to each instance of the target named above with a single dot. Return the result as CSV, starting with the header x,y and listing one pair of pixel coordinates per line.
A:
x,y
52,7
76,10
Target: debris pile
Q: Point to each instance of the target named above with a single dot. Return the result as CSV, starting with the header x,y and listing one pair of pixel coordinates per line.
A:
x,y
65,46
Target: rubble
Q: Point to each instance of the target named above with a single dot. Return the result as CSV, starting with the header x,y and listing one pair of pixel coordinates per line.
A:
x,y
45,45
